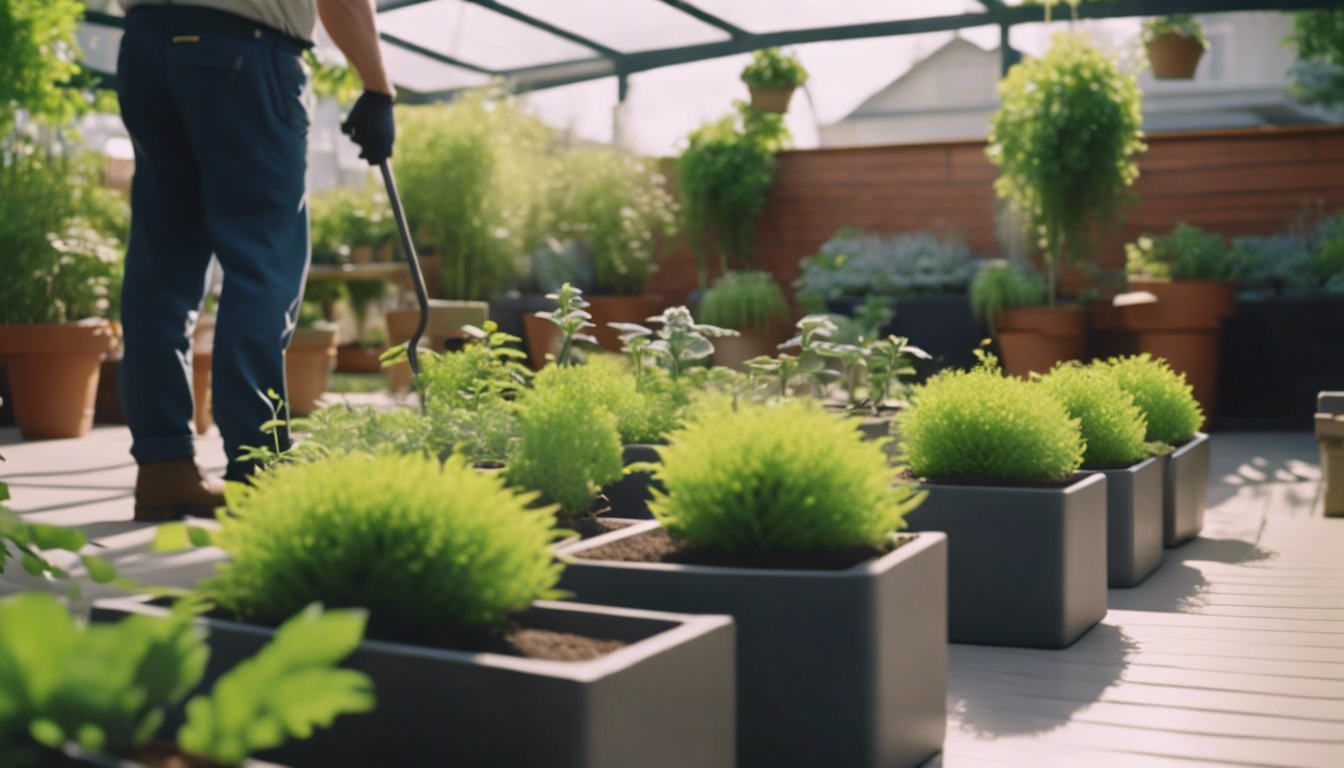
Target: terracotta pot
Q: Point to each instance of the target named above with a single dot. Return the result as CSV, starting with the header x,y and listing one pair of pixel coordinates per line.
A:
x,y
771,99
357,358
308,361
53,375
446,319
543,338
1174,57
734,351
361,254
1184,327
1034,339
620,309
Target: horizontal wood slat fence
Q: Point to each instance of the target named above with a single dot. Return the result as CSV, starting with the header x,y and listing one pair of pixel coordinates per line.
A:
x,y
1243,182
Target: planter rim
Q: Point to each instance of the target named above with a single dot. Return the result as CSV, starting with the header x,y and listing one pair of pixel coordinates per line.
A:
x,y
688,627
1135,467
1081,479
919,541
92,335
1199,437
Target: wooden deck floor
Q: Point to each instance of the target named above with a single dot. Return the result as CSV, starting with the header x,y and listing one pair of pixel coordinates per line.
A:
x,y
1232,654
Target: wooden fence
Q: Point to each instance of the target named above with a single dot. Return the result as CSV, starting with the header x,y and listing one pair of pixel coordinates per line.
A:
x,y
1234,182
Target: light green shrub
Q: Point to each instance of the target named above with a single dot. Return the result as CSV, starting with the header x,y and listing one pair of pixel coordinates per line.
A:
x,y
1113,426
742,301
418,544
980,425
643,415
1167,402
568,447
791,477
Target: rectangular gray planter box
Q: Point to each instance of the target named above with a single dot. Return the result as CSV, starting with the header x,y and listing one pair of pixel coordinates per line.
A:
x,y
835,668
1027,565
630,495
1187,491
1133,521
666,699
79,758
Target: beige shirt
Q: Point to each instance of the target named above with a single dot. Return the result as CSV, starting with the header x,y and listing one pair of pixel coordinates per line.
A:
x,y
295,18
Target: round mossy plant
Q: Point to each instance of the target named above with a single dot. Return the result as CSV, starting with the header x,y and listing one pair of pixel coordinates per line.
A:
x,y
980,425
1166,400
419,544
1113,426
789,477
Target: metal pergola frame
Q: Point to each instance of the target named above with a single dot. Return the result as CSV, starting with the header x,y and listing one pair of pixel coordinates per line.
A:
x,y
608,62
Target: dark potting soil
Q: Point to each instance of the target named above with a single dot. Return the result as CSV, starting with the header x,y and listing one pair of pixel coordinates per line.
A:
x,y
165,754
658,546
907,476
513,639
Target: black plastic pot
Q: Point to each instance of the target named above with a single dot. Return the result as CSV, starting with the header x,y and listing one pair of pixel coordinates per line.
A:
x,y
835,668
1134,503
630,496
666,699
1027,565
507,311
1276,355
1186,491
941,325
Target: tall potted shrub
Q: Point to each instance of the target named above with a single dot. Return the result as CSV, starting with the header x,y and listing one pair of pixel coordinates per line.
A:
x,y
724,175
472,663
616,207
1026,532
784,517
1009,299
1064,139
772,77
59,274
1175,45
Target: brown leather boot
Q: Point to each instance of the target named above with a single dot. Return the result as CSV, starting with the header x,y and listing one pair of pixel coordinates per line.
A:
x,y
175,488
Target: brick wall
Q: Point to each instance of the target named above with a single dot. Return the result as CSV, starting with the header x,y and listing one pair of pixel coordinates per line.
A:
x,y
1233,182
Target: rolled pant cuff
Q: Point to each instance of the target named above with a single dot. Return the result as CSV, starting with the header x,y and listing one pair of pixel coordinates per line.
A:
x,y
162,449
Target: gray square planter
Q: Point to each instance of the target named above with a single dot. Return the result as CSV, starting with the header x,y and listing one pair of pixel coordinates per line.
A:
x,y
835,668
1133,521
1027,565
630,495
1187,491
666,699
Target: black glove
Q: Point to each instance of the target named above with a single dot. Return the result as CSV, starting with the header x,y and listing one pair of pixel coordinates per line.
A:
x,y
370,125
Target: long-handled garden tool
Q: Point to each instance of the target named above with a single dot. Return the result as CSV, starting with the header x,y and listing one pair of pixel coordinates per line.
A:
x,y
417,279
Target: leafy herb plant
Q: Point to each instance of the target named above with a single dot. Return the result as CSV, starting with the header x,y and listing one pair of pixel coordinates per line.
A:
x,y
32,540
772,68
1168,404
1113,426
568,445
1179,24
572,316
999,285
981,425
419,544
1187,253
106,687
790,477
678,343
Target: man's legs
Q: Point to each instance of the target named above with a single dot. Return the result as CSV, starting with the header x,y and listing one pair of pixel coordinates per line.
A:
x,y
244,109
164,284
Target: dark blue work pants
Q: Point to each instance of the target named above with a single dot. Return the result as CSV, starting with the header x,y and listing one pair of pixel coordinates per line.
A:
x,y
216,109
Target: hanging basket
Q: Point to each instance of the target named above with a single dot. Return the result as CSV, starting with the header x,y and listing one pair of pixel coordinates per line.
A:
x,y
1174,57
771,98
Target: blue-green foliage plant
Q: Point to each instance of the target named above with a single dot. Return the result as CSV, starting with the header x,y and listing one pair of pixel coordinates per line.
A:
x,y
787,477
568,446
1113,427
421,545
858,263
980,425
1167,402
107,687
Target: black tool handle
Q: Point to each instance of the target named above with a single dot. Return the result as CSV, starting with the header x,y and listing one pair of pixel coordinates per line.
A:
x,y
417,279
